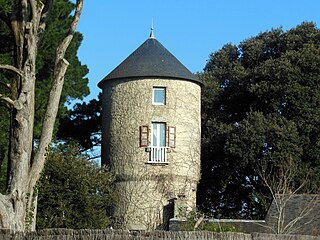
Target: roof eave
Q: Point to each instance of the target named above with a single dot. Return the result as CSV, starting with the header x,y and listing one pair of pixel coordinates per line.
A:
x,y
107,79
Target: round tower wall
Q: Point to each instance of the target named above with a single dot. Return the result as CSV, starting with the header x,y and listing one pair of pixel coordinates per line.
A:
x,y
145,187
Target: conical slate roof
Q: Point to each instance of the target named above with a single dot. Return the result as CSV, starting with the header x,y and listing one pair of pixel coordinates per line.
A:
x,y
151,59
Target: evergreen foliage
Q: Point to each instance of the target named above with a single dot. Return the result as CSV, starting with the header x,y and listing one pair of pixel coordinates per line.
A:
x,y
82,125
261,102
73,192
75,85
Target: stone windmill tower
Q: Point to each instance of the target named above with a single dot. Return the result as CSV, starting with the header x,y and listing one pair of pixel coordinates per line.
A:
x,y
151,136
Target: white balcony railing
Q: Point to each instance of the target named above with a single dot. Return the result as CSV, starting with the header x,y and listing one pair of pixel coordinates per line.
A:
x,y
158,155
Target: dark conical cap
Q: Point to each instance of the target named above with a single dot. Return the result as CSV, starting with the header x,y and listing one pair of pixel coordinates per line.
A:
x,y
151,59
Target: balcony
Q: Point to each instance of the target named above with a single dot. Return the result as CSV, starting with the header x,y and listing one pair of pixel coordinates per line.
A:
x,y
158,155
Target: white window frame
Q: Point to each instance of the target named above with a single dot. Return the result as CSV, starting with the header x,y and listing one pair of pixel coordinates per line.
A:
x,y
158,150
154,89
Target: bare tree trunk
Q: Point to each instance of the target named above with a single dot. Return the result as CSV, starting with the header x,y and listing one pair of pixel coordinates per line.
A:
x,y
18,206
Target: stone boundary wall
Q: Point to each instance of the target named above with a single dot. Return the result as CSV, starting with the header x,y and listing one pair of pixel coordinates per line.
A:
x,y
245,226
87,234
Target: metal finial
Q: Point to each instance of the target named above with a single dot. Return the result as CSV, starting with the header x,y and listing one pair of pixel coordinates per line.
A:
x,y
151,33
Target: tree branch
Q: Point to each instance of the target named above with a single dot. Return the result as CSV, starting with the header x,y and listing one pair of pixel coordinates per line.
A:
x,y
60,69
6,85
271,228
7,100
12,69
44,18
307,209
36,9
48,123
66,41
282,187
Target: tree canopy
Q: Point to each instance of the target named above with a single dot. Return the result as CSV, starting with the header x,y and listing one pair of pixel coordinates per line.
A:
x,y
261,102
73,192
76,82
82,125
31,89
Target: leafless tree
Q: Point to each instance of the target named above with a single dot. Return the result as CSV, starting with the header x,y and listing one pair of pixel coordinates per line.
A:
x,y
283,187
28,23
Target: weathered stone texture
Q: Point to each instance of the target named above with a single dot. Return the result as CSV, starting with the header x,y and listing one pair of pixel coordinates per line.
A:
x,y
107,234
145,189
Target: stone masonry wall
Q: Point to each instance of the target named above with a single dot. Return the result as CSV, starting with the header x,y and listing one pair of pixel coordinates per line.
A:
x,y
146,191
107,234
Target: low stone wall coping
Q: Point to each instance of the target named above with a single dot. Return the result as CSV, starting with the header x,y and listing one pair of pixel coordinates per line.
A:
x,y
235,220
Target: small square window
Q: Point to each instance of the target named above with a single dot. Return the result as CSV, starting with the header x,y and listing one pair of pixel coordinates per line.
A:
x,y
159,96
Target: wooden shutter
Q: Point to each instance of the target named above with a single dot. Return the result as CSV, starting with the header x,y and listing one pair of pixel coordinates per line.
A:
x,y
144,136
172,137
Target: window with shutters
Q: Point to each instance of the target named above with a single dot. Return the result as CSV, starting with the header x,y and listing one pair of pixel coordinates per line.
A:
x,y
157,139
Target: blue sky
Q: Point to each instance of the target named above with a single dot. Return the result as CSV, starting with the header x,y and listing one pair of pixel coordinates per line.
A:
x,y
189,29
